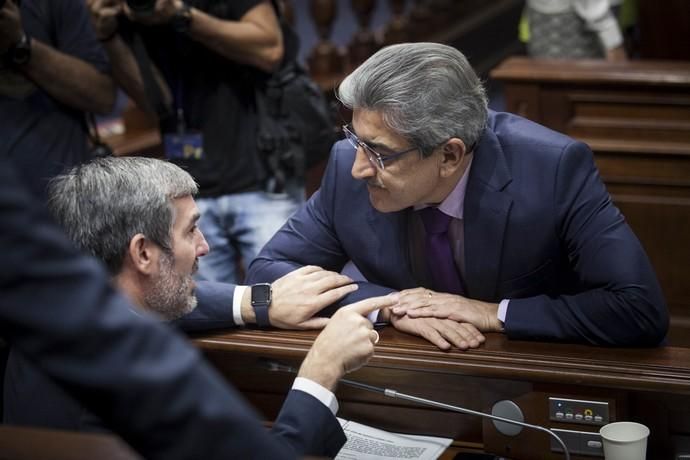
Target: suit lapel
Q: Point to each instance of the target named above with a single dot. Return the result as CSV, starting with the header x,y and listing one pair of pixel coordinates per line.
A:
x,y
391,249
487,207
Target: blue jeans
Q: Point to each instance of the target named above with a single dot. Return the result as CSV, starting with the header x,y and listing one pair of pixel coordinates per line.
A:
x,y
237,226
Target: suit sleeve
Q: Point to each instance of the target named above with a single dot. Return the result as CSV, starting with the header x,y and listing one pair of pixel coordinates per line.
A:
x,y
309,425
214,308
310,236
621,303
146,382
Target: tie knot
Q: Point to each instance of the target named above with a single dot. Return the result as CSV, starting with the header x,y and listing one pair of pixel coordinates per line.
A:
x,y
435,221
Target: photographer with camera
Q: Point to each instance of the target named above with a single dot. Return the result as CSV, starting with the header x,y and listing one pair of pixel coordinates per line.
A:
x,y
52,71
195,65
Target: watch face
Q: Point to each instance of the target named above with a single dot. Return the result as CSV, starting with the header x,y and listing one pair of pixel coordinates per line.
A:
x,y
21,52
182,20
261,294
21,55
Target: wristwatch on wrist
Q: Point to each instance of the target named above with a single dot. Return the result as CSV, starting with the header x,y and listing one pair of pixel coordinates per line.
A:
x,y
261,302
20,53
182,19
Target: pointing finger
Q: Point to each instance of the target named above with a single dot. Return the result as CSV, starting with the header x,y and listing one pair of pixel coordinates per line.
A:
x,y
366,306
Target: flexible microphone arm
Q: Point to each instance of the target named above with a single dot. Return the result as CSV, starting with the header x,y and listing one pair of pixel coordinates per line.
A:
x,y
278,367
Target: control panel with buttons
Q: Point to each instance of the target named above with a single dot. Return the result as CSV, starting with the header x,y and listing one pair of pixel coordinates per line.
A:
x,y
579,411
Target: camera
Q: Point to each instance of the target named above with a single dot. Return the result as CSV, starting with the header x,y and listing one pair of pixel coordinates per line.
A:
x,y
139,6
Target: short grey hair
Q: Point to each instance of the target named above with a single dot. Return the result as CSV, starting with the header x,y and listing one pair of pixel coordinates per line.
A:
x,y
103,204
425,92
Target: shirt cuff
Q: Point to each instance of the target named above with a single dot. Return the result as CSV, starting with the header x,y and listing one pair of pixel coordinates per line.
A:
x,y
503,310
322,394
237,305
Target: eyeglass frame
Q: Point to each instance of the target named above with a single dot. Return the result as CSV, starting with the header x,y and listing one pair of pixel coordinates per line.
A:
x,y
375,158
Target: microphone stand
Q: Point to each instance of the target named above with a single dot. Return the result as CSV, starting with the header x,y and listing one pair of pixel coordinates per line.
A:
x,y
278,367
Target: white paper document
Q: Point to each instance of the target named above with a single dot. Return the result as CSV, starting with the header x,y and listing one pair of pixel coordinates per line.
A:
x,y
368,443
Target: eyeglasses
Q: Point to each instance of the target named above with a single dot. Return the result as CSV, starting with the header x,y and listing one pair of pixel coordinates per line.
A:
x,y
375,158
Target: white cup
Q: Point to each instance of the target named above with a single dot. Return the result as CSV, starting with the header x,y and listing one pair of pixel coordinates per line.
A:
x,y
624,441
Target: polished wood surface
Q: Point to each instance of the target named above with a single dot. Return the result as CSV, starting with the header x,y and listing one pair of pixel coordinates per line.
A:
x,y
21,443
635,116
647,385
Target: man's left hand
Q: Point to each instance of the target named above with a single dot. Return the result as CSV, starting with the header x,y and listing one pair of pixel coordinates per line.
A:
x,y
300,294
11,30
444,333
425,303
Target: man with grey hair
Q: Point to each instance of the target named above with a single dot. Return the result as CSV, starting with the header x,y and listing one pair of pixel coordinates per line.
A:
x,y
138,216
482,221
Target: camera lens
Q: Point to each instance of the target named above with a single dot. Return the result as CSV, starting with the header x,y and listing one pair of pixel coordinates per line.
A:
x,y
140,6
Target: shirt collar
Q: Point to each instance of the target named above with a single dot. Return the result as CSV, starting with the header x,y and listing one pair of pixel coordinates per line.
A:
x,y
454,204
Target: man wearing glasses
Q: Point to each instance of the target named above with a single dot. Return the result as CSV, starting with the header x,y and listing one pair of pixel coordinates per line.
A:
x,y
483,221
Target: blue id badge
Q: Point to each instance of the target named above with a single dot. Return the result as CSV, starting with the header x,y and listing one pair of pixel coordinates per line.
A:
x,y
183,146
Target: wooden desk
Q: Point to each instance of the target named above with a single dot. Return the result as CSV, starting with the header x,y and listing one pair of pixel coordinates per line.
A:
x,y
647,385
635,116
20,443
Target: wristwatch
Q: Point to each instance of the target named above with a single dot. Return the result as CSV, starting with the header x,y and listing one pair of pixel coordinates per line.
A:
x,y
261,302
20,53
182,19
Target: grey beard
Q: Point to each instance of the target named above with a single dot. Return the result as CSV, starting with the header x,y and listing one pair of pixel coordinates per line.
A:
x,y
170,295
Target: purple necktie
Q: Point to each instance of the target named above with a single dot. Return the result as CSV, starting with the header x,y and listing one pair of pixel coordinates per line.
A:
x,y
439,254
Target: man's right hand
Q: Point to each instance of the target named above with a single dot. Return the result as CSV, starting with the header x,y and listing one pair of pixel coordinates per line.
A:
x,y
345,345
104,15
300,294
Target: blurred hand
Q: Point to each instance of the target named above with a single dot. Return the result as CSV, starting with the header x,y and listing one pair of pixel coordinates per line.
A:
x,y
444,333
104,15
300,294
345,345
616,54
11,30
425,303
162,13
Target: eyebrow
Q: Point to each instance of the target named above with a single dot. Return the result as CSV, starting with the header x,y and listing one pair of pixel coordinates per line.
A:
x,y
194,219
373,145
378,146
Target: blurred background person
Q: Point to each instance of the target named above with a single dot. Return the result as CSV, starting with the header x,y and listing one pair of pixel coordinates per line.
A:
x,y
206,57
52,71
572,29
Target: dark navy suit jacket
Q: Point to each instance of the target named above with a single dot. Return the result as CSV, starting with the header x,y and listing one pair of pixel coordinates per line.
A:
x,y
32,398
147,384
539,229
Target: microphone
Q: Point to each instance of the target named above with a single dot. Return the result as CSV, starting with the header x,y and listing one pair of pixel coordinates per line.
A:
x,y
274,366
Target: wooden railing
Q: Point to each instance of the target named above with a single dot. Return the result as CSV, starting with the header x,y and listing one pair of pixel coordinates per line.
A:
x,y
651,386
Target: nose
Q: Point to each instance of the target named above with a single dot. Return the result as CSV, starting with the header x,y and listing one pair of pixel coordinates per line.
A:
x,y
362,167
202,246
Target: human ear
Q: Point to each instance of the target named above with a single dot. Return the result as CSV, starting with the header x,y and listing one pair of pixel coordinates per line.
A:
x,y
143,254
452,156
